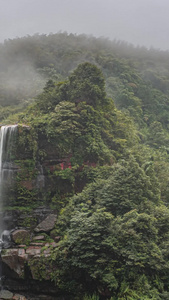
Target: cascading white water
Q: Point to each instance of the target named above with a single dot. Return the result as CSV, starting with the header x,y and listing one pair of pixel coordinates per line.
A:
x,y
7,139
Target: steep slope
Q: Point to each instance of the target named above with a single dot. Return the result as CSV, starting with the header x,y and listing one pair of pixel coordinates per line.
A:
x,y
102,179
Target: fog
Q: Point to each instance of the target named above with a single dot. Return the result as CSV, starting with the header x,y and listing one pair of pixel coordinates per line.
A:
x,y
23,75
140,22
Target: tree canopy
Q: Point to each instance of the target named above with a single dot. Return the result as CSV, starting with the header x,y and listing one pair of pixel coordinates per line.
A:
x,y
103,115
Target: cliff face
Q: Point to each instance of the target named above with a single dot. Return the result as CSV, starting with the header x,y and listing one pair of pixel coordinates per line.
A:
x,y
28,219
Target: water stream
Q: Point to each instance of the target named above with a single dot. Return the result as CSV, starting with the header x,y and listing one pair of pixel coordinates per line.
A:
x,y
7,141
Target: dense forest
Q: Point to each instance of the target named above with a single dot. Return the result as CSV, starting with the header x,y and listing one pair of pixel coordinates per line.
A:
x,y
104,105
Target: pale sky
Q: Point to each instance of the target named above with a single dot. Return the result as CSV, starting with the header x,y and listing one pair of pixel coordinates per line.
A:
x,y
140,22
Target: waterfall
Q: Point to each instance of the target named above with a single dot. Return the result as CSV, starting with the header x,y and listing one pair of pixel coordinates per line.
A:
x,y
7,141
7,151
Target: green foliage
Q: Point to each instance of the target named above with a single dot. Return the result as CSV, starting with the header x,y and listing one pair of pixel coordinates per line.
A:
x,y
75,126
29,221
107,246
40,268
118,256
112,154
87,84
93,297
125,187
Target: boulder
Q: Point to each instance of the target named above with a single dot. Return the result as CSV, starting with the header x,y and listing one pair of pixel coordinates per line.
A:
x,y
15,259
47,224
4,294
21,236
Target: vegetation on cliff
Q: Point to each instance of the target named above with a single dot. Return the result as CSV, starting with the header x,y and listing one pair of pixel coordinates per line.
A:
x,y
102,141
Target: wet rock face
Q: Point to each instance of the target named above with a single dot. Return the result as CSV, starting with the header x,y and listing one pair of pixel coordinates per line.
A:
x,y
16,219
6,239
10,219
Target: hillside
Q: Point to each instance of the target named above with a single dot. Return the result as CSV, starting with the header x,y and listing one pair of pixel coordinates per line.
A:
x,y
99,130
136,78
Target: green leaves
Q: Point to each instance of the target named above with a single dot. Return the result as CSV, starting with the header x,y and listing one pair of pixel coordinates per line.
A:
x,y
115,233
111,234
109,251
127,187
87,84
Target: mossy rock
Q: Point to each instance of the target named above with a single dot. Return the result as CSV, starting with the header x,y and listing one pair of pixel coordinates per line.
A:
x,y
21,236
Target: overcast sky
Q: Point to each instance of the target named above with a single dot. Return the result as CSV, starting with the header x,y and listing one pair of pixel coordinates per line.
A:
x,y
140,22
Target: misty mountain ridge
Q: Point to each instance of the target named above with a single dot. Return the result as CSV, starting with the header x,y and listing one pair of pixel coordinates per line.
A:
x,y
27,63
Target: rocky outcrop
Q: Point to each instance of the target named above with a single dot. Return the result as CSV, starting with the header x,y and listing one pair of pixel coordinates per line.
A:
x,y
21,259
18,258
19,219
46,225
27,246
15,259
